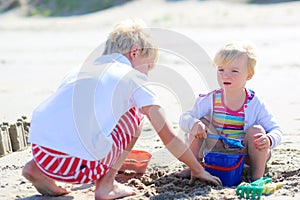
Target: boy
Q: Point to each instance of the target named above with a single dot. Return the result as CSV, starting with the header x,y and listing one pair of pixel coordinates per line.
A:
x,y
84,131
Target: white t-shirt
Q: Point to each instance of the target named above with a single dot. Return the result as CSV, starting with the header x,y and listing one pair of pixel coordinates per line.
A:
x,y
79,117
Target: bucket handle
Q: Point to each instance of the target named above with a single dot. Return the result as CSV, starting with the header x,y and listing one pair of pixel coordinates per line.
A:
x,y
226,168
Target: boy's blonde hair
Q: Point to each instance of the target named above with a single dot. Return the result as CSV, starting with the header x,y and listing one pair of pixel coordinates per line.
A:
x,y
232,51
128,33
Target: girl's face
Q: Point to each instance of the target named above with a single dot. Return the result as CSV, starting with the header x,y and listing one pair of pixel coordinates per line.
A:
x,y
234,75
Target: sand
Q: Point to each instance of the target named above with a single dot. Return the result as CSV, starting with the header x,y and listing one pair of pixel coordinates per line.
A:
x,y
35,54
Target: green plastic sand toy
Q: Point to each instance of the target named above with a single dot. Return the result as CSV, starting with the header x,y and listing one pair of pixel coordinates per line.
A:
x,y
253,190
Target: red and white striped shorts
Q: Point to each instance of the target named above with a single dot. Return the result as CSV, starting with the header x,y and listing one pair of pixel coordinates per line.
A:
x,y
63,167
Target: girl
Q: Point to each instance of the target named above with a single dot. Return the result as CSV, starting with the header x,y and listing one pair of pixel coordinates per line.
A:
x,y
233,110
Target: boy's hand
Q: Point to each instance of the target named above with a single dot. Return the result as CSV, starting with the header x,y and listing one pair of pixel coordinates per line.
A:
x,y
199,130
205,176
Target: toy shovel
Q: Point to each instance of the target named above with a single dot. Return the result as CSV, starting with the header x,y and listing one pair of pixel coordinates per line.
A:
x,y
253,190
229,141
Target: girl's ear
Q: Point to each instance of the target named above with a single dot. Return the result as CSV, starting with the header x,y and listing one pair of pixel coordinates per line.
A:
x,y
250,75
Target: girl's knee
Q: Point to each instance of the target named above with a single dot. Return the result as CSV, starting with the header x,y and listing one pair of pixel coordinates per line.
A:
x,y
252,130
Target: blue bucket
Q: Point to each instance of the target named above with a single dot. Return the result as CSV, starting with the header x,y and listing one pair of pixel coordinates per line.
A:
x,y
228,167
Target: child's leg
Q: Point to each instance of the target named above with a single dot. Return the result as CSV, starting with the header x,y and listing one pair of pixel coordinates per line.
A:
x,y
197,146
41,182
107,187
256,158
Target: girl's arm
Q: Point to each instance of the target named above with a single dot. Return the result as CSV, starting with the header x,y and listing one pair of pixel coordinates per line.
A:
x,y
269,123
201,108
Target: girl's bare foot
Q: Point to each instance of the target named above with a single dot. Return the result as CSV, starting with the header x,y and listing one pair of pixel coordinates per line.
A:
x,y
41,182
117,190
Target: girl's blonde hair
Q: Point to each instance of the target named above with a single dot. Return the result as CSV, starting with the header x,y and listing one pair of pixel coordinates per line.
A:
x,y
128,33
232,51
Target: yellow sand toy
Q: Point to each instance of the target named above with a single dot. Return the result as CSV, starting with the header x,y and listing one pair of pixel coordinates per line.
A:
x,y
255,189
270,188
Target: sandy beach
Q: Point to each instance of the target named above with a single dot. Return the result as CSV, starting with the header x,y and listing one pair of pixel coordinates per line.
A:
x,y
36,53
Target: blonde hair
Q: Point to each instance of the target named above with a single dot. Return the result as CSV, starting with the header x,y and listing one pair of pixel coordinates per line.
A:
x,y
232,51
128,33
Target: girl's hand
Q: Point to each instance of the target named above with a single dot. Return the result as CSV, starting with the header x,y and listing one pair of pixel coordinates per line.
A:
x,y
205,176
262,141
199,130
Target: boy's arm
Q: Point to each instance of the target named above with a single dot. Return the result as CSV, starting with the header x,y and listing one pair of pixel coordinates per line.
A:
x,y
175,145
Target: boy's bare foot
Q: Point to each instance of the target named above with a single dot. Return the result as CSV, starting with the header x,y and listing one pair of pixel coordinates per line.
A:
x,y
41,182
186,173
118,190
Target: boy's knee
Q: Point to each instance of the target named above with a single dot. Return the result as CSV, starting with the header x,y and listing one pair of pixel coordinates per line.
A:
x,y
28,169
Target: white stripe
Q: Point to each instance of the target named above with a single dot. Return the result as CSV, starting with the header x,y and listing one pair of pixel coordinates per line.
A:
x,y
102,169
79,165
112,155
76,175
69,166
60,165
131,128
55,154
56,176
132,125
83,179
41,149
98,176
36,146
124,133
135,120
38,153
95,169
50,163
108,159
90,174
115,154
43,159
120,141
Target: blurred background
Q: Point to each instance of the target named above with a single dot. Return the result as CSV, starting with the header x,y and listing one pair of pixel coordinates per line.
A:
x,y
52,8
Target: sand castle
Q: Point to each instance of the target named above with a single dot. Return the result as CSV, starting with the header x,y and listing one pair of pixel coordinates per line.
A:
x,y
14,137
